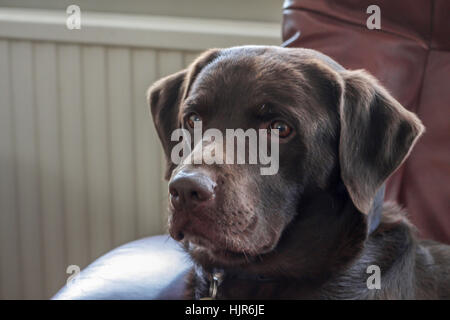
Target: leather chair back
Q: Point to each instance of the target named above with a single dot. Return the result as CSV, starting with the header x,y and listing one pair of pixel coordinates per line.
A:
x,y
410,55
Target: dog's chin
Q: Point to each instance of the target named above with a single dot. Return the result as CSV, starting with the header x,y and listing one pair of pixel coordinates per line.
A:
x,y
218,256
202,249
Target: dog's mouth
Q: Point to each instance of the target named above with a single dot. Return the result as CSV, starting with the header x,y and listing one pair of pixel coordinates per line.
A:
x,y
198,245
225,238
231,249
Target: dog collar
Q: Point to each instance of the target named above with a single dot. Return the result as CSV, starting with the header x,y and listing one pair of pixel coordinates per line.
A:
x,y
215,279
217,276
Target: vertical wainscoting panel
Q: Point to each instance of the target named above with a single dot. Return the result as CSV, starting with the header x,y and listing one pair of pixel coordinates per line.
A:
x,y
148,161
121,121
51,195
98,150
168,62
27,168
10,266
73,155
189,57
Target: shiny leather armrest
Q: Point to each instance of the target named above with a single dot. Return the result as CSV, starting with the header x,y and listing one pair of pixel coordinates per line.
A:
x,y
150,268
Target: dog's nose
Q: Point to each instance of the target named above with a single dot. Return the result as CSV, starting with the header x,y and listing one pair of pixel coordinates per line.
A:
x,y
191,188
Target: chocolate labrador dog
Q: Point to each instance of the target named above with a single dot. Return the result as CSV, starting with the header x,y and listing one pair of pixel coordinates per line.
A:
x,y
317,228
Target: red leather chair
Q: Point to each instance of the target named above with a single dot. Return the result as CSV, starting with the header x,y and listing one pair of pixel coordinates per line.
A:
x,y
410,55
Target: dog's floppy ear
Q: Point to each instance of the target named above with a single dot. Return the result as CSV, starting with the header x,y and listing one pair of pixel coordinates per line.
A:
x,y
377,134
165,98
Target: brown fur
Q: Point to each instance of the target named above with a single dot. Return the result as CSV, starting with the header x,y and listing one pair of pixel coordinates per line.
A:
x,y
306,227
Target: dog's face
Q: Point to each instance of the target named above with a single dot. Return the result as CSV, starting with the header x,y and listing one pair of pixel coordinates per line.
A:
x,y
334,126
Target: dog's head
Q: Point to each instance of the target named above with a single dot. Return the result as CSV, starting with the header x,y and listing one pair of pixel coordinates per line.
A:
x,y
334,127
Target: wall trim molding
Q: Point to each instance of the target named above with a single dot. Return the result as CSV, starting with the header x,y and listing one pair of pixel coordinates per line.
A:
x,y
136,30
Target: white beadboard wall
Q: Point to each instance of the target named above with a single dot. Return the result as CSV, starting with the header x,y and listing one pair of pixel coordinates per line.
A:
x,y
80,161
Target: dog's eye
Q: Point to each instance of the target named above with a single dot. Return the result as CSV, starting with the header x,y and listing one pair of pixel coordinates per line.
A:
x,y
284,129
192,118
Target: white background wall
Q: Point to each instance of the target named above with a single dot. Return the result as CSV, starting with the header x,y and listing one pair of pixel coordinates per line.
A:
x,y
80,162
